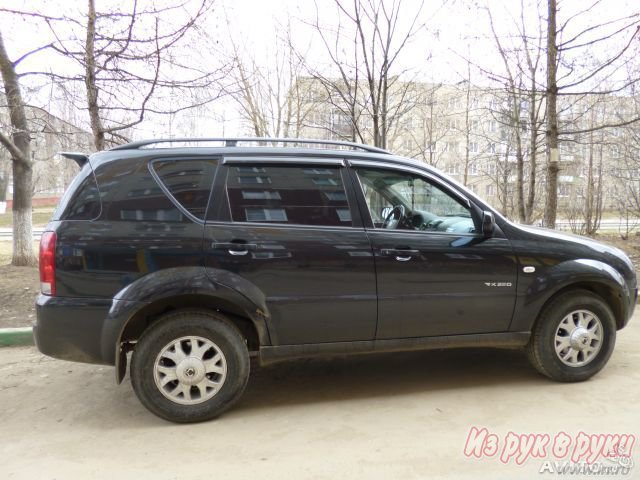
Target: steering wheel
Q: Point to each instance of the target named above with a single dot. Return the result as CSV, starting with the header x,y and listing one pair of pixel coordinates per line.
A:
x,y
395,217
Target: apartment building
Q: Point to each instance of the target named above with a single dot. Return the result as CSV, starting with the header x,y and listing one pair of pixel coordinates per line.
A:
x,y
49,136
476,135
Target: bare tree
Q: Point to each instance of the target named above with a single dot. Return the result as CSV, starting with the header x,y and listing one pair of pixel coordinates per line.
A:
x,y
363,49
568,75
123,58
18,145
523,116
271,96
626,176
429,128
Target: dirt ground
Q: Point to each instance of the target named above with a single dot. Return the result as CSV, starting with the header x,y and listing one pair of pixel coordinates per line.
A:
x,y
18,289
383,416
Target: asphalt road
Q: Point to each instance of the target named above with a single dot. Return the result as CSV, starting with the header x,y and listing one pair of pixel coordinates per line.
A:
x,y
383,416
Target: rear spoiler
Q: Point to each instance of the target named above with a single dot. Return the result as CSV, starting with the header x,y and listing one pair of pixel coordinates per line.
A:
x,y
79,158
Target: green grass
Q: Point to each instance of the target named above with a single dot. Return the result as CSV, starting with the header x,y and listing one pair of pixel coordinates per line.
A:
x,y
41,217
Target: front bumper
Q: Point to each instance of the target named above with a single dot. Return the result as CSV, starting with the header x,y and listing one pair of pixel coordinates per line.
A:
x,y
71,328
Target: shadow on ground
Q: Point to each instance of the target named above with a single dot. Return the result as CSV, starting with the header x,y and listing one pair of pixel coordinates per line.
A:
x,y
70,394
382,375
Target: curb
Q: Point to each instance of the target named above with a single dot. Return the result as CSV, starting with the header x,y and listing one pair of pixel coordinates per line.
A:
x,y
13,337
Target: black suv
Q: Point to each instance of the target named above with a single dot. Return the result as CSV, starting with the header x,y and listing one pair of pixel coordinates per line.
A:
x,y
197,258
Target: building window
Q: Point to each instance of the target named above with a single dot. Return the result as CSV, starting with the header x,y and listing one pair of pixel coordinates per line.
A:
x,y
563,190
325,181
451,147
615,151
250,169
251,179
317,171
452,169
473,147
453,124
490,190
454,103
260,195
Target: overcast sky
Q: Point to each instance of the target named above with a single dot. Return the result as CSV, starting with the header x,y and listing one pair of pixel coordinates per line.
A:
x,y
453,31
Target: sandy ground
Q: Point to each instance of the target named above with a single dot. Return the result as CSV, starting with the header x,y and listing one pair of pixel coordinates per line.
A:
x,y
382,416
18,289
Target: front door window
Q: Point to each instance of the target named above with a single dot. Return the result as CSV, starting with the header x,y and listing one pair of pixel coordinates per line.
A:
x,y
402,200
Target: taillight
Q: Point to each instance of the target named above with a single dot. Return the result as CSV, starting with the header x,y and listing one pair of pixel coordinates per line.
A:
x,y
48,263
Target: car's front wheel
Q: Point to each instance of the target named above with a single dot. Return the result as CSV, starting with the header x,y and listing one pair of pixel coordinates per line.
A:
x,y
573,338
190,366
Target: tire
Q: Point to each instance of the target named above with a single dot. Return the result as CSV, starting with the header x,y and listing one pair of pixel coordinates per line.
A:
x,y
183,384
584,356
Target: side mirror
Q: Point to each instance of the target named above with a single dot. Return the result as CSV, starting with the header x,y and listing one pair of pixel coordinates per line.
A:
x,y
488,224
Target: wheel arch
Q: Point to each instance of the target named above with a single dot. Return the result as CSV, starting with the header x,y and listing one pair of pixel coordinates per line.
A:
x,y
607,293
142,319
253,329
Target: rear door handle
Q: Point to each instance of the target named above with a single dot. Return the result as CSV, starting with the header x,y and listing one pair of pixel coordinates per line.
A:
x,y
401,254
235,248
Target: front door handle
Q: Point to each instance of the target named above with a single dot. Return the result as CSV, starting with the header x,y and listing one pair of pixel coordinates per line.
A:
x,y
235,248
400,254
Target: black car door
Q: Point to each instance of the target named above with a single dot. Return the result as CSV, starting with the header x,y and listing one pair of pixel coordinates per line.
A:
x,y
293,231
436,275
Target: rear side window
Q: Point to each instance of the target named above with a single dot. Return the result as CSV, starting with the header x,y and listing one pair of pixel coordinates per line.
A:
x,y
81,201
130,193
188,181
283,194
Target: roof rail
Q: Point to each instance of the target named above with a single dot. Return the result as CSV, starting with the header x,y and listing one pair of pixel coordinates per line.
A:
x,y
233,142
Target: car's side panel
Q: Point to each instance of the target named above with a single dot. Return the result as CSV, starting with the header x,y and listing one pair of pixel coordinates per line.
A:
x,y
318,281
550,261
449,284
139,231
535,289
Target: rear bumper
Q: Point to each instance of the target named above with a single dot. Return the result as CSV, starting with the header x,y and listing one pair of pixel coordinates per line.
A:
x,y
71,328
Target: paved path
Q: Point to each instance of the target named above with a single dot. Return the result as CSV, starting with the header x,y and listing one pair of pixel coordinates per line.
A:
x,y
383,416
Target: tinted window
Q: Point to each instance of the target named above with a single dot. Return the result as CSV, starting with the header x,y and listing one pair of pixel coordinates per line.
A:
x,y
282,194
189,181
84,202
129,193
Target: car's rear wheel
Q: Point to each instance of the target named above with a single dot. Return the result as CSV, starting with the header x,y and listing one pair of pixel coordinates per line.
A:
x,y
190,366
573,338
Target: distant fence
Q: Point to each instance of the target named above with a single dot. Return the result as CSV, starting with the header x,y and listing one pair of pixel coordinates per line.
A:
x,y
605,225
38,202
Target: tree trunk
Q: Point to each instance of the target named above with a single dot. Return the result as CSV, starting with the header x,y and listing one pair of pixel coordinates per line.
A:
x,y
533,153
90,80
522,212
23,254
467,127
553,154
19,147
